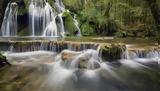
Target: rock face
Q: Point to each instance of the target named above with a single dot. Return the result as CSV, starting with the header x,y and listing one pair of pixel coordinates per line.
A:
x,y
3,5
125,17
112,52
3,61
1,10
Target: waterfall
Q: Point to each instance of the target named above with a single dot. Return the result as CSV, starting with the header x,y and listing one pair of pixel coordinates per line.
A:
x,y
51,29
61,25
9,25
40,16
55,28
77,26
61,9
152,53
43,19
60,5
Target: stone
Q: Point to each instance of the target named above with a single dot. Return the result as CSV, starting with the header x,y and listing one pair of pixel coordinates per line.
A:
x,y
112,52
83,63
67,55
3,61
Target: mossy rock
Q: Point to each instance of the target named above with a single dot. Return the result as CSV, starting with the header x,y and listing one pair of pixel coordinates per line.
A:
x,y
112,52
3,61
69,23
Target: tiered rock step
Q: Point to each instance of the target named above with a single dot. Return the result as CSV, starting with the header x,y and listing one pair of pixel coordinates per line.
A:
x,y
144,51
108,51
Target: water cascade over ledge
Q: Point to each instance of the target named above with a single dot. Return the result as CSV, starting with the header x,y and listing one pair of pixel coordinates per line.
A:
x,y
40,15
9,25
44,20
85,71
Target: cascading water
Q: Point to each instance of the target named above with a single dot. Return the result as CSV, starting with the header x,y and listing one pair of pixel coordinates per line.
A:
x,y
9,25
140,53
40,16
43,20
60,5
51,29
77,26
84,71
55,29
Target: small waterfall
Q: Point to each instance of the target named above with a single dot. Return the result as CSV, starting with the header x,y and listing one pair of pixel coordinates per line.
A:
x,y
55,28
9,25
152,53
60,5
51,29
55,46
43,19
77,26
127,54
61,8
61,25
40,16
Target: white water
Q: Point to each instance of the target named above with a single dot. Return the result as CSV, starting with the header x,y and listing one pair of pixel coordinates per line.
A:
x,y
9,25
51,29
30,58
40,16
85,71
77,26
60,5
43,19
61,25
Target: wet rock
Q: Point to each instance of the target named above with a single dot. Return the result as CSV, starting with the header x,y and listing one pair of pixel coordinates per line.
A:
x,y
3,61
67,55
1,11
83,64
81,60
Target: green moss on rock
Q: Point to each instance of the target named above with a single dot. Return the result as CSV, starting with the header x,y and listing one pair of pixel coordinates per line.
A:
x,y
69,23
3,61
112,52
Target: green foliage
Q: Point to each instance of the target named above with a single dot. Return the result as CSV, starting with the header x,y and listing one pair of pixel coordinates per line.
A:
x,y
105,17
69,23
86,29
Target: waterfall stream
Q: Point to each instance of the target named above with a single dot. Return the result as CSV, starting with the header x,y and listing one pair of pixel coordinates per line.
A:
x,y
9,25
44,20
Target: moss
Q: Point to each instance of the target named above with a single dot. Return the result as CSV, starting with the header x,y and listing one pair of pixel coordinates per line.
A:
x,y
121,18
129,15
112,52
3,61
69,23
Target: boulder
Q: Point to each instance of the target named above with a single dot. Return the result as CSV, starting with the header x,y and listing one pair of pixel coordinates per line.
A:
x,y
112,52
3,61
